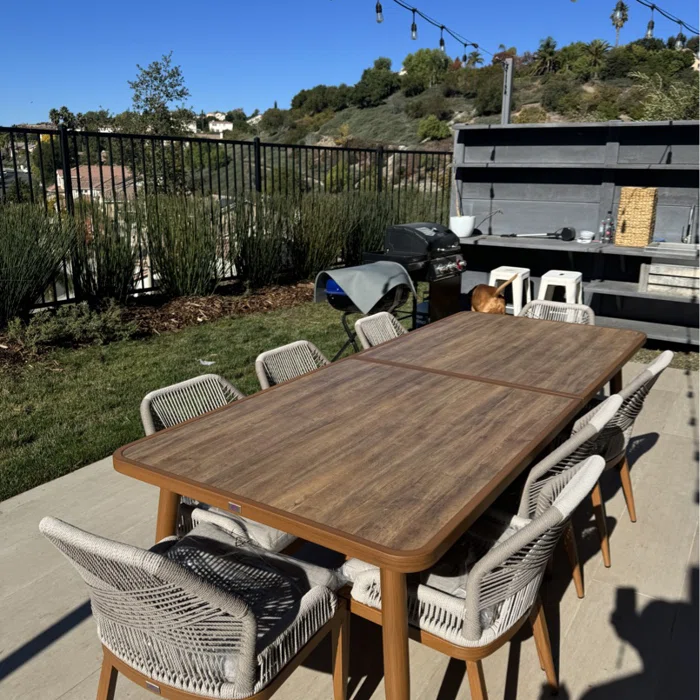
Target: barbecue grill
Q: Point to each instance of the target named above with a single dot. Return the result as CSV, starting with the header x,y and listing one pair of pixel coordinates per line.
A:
x,y
431,253
365,289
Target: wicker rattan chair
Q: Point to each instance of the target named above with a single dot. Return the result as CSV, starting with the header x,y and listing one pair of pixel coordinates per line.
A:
x,y
559,311
377,329
487,586
177,403
287,362
208,616
619,433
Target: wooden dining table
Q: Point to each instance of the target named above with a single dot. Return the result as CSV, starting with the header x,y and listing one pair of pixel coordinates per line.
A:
x,y
391,454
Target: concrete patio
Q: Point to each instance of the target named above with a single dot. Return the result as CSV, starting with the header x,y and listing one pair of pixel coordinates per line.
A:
x,y
634,635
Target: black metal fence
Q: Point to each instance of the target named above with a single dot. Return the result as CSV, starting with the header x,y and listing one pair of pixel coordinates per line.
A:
x,y
68,170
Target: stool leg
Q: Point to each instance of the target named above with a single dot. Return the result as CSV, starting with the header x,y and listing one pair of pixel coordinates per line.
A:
x,y
517,295
528,289
542,291
580,293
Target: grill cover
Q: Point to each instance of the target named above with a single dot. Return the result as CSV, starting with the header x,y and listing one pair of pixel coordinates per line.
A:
x,y
366,285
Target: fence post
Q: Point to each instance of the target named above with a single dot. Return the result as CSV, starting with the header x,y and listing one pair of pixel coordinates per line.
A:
x,y
65,165
380,167
507,90
258,167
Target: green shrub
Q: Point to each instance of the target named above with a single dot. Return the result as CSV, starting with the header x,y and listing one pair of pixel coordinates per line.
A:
x,y
432,128
436,105
489,91
261,228
532,114
183,235
105,254
72,325
559,94
661,102
33,245
413,85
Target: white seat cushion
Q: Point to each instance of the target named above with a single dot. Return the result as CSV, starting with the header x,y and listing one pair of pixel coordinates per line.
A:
x,y
263,535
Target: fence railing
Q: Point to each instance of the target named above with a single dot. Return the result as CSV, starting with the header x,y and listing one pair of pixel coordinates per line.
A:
x,y
68,171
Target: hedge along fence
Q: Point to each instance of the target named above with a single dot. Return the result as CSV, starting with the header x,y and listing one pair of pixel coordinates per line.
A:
x,y
183,246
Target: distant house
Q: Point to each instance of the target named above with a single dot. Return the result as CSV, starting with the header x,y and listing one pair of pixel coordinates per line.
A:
x,y
93,180
219,127
219,116
254,120
190,126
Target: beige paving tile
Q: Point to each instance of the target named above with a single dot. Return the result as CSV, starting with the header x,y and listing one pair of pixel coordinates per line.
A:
x,y
682,417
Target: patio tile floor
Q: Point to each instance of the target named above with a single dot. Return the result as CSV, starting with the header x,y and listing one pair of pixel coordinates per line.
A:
x,y
634,635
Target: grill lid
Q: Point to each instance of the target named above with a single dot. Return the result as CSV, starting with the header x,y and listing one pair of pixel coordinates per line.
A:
x,y
420,239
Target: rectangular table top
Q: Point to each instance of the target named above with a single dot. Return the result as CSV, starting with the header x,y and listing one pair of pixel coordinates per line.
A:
x,y
386,461
562,358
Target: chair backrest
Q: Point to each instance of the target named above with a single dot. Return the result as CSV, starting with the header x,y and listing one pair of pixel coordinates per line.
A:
x,y
507,579
584,443
287,362
177,403
160,618
559,311
377,329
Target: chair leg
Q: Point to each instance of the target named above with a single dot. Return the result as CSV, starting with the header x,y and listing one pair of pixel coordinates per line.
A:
x,y
627,488
477,684
544,647
599,510
108,681
572,552
340,642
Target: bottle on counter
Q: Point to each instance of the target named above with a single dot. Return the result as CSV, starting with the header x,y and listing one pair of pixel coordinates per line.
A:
x,y
608,228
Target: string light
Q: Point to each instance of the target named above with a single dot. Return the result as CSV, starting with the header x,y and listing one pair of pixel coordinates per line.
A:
x,y
380,14
650,25
680,39
681,23
438,25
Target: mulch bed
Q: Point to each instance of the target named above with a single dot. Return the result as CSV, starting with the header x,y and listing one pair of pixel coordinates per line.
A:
x,y
153,317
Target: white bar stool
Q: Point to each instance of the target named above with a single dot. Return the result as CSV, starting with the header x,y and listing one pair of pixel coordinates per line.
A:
x,y
520,283
571,280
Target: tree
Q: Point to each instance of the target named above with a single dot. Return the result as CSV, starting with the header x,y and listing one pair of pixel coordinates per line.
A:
x,y
597,50
693,44
64,117
274,119
662,102
156,89
546,57
619,18
474,59
430,65
377,83
236,115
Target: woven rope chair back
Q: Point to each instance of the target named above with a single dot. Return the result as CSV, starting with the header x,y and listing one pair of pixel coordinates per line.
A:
x,y
588,441
161,619
507,578
559,311
177,403
377,329
288,362
635,394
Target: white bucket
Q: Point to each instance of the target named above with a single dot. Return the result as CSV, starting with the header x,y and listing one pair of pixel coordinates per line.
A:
x,y
463,226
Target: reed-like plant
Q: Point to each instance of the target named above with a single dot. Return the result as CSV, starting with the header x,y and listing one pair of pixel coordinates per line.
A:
x,y
106,251
33,246
184,237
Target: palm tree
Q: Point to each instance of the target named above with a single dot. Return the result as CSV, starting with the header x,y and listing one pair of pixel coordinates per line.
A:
x,y
619,18
596,51
474,59
546,57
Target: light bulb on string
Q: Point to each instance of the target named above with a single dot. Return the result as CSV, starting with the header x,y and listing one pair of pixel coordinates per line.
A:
x,y
380,13
650,25
680,39
442,39
464,57
414,27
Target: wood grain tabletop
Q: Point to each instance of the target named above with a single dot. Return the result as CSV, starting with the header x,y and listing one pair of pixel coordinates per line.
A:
x,y
564,358
387,463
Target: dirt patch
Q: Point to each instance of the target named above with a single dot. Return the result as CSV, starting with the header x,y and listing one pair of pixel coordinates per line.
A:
x,y
153,316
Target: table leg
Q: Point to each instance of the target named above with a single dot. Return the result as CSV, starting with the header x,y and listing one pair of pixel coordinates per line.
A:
x,y
166,525
616,383
395,635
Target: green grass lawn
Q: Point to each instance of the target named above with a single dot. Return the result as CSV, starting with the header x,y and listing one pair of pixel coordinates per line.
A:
x,y
73,407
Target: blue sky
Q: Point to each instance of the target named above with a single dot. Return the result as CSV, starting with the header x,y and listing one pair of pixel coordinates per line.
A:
x,y
249,54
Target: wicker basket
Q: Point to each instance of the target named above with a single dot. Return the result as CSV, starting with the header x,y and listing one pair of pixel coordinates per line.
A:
x,y
636,216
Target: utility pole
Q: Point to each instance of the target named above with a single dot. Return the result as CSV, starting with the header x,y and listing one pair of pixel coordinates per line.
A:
x,y
507,90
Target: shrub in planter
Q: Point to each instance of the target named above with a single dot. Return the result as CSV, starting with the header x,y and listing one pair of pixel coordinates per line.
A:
x,y
33,245
184,238
105,255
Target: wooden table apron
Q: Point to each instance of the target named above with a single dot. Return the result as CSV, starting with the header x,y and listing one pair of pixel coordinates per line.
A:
x,y
347,456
